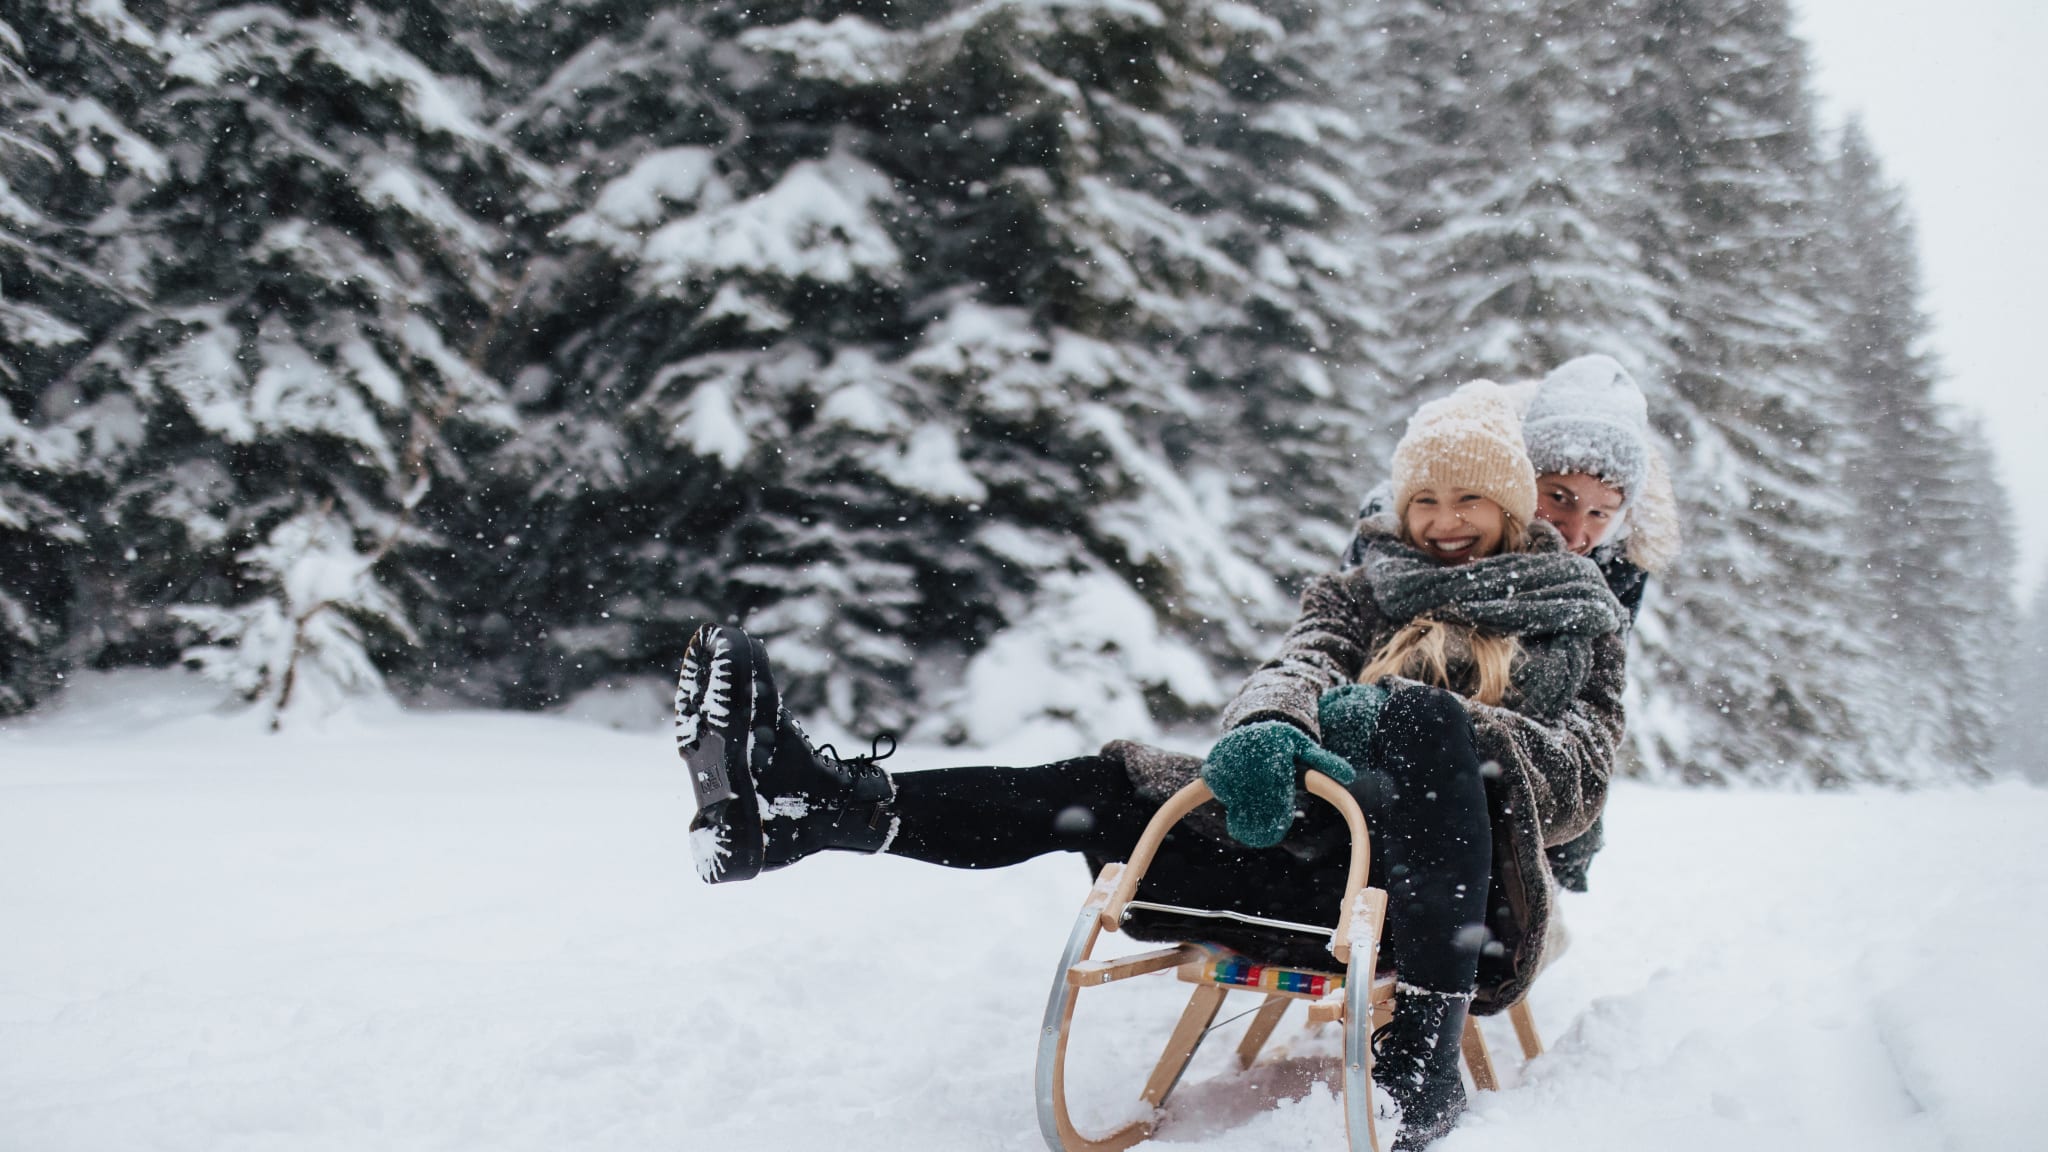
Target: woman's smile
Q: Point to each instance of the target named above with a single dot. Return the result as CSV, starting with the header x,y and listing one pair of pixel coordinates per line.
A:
x,y
1452,525
1451,547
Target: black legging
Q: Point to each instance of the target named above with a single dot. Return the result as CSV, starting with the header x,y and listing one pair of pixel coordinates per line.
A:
x,y
1424,799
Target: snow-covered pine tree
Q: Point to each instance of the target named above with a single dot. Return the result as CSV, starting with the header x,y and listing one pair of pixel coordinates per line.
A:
x,y
1503,189
304,634
2023,740
1312,362
37,539
1743,649
1934,528
70,162
316,252
888,327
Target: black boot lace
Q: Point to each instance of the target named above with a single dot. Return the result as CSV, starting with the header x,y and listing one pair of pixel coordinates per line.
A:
x,y
1379,1037
859,767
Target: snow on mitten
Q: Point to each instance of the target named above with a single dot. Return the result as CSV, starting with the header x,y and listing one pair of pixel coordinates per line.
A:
x,y
1252,771
1348,715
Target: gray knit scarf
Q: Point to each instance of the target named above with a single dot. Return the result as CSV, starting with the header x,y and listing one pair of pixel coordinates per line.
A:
x,y
1554,603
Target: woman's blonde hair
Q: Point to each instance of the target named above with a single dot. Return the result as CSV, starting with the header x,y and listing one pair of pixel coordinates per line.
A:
x,y
1420,650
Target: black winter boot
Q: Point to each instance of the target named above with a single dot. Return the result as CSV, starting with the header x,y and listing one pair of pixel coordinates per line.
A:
x,y
1415,1058
765,797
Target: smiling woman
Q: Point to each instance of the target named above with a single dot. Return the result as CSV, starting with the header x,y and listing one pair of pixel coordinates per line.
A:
x,y
1455,525
1464,490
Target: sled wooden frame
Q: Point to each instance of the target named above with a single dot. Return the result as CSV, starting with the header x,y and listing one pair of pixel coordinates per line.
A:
x,y
1365,1001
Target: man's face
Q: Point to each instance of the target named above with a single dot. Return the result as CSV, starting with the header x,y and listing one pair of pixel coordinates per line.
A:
x,y
1581,508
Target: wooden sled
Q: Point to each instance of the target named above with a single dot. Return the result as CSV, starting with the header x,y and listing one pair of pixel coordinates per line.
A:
x,y
1353,994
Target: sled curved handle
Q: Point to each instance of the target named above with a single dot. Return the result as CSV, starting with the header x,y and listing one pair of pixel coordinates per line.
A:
x,y
1197,794
1170,813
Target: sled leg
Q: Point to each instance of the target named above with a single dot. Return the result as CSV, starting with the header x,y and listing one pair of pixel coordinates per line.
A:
x,y
1255,1037
1477,1058
1525,1030
1361,989
1054,1123
1187,1036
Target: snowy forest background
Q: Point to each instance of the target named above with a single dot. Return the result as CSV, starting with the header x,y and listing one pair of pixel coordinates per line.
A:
x,y
998,362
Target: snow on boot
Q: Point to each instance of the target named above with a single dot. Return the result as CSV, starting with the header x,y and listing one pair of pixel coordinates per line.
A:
x,y
765,797
725,731
814,800
1415,1058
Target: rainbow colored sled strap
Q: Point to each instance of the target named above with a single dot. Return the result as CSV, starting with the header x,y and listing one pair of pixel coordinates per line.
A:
x,y
1239,972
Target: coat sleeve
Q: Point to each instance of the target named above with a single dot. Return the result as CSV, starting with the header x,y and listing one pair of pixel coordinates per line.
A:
x,y
1327,646
1561,768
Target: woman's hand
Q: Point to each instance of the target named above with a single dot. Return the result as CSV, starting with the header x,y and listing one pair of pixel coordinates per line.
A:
x,y
1252,772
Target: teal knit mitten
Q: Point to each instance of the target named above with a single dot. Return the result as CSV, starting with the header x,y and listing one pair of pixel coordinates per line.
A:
x,y
1348,715
1252,770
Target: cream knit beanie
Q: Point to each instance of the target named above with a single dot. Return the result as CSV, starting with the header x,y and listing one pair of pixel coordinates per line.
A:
x,y
1471,439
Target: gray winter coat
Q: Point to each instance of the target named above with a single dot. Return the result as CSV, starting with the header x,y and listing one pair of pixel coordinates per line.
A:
x,y
1554,773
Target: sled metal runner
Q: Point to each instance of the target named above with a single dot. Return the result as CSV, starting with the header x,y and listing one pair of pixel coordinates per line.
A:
x,y
1356,996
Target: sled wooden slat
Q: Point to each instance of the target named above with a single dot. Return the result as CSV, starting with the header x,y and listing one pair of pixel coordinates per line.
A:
x,y
1477,1058
1092,972
1525,1030
1261,1030
1330,1009
1187,1036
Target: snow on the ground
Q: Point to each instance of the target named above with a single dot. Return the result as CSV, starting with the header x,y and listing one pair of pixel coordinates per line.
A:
x,y
468,931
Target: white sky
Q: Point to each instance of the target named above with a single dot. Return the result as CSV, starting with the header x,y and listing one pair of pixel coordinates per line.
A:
x,y
1954,96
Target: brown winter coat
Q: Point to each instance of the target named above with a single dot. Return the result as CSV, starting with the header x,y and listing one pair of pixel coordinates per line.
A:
x,y
1551,787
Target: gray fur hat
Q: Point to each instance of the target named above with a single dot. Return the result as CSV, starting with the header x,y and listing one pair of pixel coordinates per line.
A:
x,y
1589,416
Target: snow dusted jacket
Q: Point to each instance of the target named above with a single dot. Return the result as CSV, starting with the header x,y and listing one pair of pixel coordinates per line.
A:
x,y
1554,771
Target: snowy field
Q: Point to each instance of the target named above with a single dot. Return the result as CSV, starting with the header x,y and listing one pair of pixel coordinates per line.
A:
x,y
466,931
